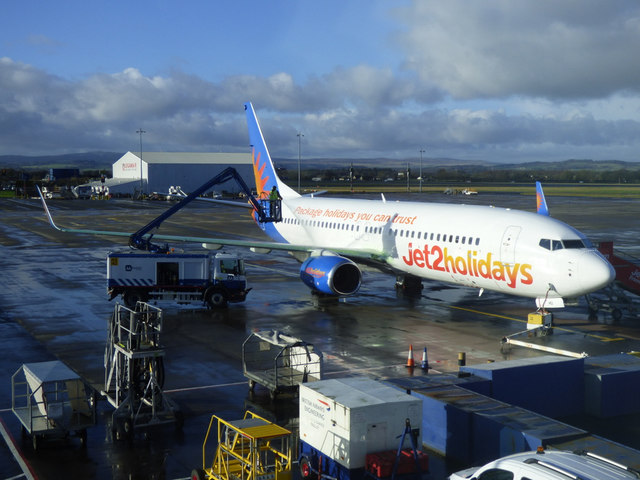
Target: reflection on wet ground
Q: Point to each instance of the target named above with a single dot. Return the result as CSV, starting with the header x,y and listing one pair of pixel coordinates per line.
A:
x,y
53,305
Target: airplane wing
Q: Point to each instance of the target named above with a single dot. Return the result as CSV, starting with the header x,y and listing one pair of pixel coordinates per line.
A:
x,y
213,243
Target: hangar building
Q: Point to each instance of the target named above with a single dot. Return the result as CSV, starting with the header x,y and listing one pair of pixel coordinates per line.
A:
x,y
157,171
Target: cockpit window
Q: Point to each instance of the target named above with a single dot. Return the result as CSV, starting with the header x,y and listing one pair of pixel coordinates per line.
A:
x,y
573,244
549,244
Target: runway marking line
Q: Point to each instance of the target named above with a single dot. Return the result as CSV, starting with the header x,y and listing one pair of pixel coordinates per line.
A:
x,y
598,337
204,387
26,471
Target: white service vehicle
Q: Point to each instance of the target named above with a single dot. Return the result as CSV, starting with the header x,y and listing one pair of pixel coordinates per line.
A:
x,y
209,278
549,465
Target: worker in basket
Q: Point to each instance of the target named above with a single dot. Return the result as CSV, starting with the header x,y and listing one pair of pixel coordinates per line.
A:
x,y
274,197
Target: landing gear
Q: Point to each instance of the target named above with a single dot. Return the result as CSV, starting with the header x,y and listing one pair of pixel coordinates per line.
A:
x,y
409,285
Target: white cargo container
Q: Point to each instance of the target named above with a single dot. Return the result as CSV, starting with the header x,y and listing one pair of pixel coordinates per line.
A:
x,y
345,419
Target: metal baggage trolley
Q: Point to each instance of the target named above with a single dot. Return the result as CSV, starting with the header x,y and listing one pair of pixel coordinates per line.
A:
x,y
51,401
279,362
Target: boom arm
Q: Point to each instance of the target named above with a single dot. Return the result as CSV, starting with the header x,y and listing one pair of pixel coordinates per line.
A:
x,y
142,238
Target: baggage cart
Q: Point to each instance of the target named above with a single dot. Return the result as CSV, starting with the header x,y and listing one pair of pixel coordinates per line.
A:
x,y
279,362
51,400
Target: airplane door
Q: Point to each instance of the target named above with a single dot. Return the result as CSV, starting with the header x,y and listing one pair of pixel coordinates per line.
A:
x,y
508,244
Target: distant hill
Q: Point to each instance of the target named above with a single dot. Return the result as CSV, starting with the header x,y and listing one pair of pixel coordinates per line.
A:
x,y
447,163
105,160
83,161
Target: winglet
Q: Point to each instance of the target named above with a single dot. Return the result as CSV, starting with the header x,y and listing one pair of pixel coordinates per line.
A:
x,y
46,210
541,203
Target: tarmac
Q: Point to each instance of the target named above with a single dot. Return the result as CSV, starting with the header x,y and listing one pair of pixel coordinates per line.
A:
x,y
53,305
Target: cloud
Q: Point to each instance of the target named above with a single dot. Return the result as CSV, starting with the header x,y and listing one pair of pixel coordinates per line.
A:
x,y
493,80
560,50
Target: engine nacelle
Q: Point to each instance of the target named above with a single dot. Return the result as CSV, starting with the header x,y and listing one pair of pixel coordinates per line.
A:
x,y
331,274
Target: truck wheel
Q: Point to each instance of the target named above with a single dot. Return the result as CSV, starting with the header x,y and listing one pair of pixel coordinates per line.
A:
x,y
306,472
215,298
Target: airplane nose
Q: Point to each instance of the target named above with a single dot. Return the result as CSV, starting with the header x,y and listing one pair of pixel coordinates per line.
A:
x,y
595,272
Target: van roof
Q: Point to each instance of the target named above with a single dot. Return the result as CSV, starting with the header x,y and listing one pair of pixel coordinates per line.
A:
x,y
572,465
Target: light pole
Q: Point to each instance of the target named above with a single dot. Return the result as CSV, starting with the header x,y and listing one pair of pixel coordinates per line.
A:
x,y
140,131
421,152
300,135
408,178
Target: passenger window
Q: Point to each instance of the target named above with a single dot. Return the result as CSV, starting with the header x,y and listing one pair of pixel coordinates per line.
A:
x,y
545,243
477,241
496,474
457,238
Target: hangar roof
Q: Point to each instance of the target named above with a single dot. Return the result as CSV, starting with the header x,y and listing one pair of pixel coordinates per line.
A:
x,y
190,157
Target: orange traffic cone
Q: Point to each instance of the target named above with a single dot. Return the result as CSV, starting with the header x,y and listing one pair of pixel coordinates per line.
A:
x,y
410,362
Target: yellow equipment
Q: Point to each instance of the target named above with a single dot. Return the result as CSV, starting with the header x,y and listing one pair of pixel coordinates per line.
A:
x,y
249,449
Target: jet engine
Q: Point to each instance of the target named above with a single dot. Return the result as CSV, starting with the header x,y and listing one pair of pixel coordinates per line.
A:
x,y
331,274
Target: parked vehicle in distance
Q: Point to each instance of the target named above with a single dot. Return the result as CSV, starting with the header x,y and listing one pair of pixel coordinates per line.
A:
x,y
549,465
82,191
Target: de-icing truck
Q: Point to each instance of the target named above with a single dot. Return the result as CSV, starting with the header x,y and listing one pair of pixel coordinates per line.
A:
x,y
209,278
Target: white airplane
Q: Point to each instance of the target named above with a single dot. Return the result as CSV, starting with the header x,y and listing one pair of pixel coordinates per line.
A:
x,y
497,249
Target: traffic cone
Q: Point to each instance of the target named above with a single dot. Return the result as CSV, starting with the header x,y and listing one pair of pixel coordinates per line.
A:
x,y
425,363
410,362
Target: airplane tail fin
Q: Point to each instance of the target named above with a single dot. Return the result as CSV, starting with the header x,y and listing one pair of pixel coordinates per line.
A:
x,y
541,203
263,169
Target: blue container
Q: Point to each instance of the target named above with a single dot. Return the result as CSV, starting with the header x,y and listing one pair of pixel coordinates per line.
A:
x,y
408,384
501,432
446,418
549,385
612,385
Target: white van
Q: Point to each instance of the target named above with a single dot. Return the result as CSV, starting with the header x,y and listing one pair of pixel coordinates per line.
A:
x,y
549,465
82,191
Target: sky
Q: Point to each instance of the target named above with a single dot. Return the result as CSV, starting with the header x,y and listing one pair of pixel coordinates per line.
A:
x,y
492,80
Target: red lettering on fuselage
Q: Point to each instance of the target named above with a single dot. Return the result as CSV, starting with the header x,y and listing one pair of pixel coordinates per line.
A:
x,y
439,259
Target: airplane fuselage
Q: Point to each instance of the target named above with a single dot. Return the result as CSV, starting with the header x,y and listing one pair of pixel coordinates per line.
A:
x,y
510,251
